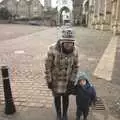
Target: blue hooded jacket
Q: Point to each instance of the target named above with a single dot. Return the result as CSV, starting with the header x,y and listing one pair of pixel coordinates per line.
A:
x,y
86,94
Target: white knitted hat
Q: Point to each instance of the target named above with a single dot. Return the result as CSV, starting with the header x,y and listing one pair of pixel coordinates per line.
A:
x,y
66,34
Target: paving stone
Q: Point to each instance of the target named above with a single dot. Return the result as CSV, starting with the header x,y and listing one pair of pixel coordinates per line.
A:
x,y
27,70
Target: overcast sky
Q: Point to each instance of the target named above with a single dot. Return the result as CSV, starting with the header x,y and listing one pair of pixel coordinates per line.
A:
x,y
42,1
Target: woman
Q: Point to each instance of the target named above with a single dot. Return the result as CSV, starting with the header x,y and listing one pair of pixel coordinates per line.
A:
x,y
61,67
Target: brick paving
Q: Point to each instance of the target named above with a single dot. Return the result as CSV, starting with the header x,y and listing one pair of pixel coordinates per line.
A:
x,y
27,70
27,67
116,72
25,56
91,45
9,31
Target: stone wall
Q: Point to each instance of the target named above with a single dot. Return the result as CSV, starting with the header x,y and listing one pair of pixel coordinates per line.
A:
x,y
105,15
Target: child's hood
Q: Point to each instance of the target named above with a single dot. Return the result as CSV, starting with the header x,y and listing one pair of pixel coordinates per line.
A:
x,y
81,76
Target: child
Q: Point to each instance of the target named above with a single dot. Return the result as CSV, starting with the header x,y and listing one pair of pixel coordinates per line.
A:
x,y
85,95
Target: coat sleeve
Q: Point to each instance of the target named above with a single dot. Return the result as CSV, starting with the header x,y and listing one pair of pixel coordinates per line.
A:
x,y
94,96
48,65
75,67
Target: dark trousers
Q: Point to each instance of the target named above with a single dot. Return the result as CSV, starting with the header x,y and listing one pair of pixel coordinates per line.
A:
x,y
81,111
64,101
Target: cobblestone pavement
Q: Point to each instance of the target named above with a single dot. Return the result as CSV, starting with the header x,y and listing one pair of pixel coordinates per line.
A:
x,y
9,31
33,113
27,68
25,57
116,73
91,45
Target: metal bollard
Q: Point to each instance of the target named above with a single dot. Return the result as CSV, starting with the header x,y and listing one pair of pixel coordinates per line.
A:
x,y
9,103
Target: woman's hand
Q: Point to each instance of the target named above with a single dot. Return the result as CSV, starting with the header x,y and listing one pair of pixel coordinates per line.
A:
x,y
50,85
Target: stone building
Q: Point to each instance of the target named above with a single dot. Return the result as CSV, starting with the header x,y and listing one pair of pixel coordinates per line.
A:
x,y
23,9
50,17
105,15
77,11
47,4
115,16
64,6
36,9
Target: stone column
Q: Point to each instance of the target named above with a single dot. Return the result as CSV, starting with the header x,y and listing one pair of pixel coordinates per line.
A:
x,y
108,11
107,16
96,13
114,4
101,7
116,23
91,14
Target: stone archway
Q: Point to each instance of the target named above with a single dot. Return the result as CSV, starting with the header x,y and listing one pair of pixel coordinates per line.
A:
x,y
67,10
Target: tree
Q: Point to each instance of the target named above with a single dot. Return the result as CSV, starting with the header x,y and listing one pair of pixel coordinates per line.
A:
x,y
50,13
4,13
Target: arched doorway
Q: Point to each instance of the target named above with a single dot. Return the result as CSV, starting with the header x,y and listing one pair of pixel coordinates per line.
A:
x,y
64,13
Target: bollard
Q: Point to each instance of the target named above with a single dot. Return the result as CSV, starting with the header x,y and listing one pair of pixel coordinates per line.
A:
x,y
9,103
